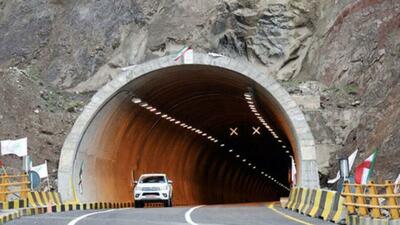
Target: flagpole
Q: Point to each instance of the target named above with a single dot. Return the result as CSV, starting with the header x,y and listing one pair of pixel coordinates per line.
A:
x,y
48,177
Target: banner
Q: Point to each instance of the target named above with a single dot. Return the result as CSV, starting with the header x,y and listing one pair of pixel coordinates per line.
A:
x,y
18,147
41,170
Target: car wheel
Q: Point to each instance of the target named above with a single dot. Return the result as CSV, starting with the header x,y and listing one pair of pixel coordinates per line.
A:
x,y
139,204
169,203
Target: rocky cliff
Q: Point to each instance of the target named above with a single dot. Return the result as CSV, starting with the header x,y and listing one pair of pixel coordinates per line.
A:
x,y
338,59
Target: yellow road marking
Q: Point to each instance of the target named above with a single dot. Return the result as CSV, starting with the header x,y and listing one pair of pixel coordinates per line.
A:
x,y
271,206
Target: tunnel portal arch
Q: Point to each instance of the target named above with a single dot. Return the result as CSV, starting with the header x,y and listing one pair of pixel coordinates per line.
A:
x,y
89,155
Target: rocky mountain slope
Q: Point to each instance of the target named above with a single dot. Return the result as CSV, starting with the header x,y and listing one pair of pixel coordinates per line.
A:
x,y
338,59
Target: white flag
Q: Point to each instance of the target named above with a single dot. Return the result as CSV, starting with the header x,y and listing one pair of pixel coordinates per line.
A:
x,y
293,172
188,57
18,147
351,159
41,170
397,185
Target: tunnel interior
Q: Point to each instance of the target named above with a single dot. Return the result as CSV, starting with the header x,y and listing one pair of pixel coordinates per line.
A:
x,y
218,135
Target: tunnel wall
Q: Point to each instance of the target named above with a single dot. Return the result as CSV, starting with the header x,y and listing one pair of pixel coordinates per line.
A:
x,y
293,119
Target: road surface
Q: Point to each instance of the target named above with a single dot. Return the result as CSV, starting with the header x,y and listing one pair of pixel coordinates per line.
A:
x,y
249,214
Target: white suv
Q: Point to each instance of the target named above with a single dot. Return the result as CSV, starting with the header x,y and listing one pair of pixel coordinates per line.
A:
x,y
153,188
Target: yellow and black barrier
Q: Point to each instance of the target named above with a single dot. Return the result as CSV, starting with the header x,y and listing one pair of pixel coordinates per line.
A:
x,y
17,213
15,204
317,203
10,216
90,206
43,199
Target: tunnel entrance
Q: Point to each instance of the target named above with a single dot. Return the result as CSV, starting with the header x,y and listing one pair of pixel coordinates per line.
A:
x,y
223,132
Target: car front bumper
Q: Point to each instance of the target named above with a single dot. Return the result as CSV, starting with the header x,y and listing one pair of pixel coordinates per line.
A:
x,y
151,195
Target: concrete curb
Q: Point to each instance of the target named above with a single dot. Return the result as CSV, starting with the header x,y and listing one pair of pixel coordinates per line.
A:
x,y
15,214
9,215
16,204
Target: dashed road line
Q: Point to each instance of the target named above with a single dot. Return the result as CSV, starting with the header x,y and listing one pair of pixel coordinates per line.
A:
x,y
271,206
187,215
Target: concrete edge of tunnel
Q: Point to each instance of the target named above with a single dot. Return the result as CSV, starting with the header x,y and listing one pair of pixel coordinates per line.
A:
x,y
9,215
293,114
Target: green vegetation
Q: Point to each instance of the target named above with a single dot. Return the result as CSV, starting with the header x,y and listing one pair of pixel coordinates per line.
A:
x,y
32,73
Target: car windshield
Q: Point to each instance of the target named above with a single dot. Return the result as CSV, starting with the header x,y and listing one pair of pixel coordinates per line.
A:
x,y
153,179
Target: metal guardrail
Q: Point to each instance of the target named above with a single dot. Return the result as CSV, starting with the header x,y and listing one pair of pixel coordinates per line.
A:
x,y
20,183
365,200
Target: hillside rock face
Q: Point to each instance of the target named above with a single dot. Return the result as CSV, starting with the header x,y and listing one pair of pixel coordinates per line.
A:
x,y
338,59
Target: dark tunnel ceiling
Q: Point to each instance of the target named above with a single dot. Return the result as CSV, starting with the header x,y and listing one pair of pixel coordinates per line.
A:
x,y
212,100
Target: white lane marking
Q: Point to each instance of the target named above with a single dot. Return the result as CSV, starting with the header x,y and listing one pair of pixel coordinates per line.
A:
x,y
74,221
187,215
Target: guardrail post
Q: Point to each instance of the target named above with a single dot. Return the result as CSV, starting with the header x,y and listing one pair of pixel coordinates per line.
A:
x,y
362,210
25,186
376,212
3,189
391,200
349,199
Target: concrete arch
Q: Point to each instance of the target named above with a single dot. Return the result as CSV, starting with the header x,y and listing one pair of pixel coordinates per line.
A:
x,y
295,125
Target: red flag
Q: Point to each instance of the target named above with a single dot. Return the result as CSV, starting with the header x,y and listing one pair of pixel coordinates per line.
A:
x,y
363,170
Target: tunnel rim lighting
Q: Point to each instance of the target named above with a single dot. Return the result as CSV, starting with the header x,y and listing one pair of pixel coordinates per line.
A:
x,y
136,100
143,104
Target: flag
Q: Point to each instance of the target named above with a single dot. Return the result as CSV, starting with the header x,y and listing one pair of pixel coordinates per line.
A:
x,y
363,170
188,57
351,159
293,170
41,170
397,185
18,147
181,53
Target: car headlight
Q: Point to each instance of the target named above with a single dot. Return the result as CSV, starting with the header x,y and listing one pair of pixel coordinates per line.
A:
x,y
138,188
165,188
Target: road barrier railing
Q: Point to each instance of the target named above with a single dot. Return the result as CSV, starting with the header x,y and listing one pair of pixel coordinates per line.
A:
x,y
14,185
372,201
317,203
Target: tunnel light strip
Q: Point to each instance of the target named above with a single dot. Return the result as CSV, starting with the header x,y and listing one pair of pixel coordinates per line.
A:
x,y
250,102
173,120
203,134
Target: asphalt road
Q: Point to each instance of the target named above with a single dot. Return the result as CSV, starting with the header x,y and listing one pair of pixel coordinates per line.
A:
x,y
252,214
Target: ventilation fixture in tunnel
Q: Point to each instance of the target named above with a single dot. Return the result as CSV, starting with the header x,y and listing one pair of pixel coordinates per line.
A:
x,y
222,131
